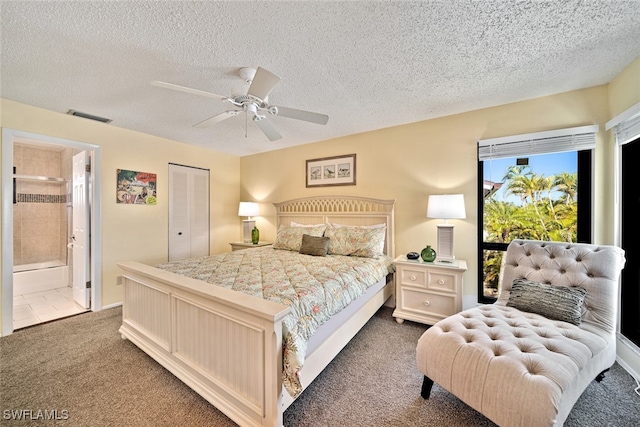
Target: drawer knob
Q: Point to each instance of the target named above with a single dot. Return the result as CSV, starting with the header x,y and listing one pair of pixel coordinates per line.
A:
x,y
440,282
413,278
427,303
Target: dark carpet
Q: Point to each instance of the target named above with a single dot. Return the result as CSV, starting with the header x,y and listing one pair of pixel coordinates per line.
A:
x,y
79,372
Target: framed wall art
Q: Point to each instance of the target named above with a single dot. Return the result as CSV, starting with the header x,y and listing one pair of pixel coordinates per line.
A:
x,y
330,171
138,188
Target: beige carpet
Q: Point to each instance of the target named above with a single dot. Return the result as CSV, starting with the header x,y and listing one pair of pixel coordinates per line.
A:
x,y
80,368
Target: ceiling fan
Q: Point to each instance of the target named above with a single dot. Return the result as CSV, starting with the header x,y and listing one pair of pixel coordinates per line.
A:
x,y
254,103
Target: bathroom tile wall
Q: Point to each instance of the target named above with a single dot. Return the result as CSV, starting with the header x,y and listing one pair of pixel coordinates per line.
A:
x,y
39,217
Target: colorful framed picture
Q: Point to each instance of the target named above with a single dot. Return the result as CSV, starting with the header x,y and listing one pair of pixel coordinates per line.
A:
x,y
330,171
136,188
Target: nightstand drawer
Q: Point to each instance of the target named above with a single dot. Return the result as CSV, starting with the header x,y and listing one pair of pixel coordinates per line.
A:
x,y
441,280
413,277
428,303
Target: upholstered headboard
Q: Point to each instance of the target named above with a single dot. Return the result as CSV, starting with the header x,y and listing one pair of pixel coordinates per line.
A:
x,y
595,268
347,210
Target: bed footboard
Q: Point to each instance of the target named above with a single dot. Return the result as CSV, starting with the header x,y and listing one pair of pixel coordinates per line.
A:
x,y
224,345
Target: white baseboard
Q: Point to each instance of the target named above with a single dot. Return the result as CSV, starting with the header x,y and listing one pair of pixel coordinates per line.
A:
x,y
114,305
628,355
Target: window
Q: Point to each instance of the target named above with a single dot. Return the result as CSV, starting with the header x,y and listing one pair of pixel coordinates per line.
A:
x,y
535,187
627,130
630,296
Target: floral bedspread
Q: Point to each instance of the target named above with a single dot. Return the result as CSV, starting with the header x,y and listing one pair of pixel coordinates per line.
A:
x,y
314,287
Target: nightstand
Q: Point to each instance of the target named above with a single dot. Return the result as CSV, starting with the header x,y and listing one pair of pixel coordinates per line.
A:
x,y
236,246
427,291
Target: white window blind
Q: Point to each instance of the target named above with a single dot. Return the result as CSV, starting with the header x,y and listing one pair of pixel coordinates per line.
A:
x,y
628,130
555,141
627,125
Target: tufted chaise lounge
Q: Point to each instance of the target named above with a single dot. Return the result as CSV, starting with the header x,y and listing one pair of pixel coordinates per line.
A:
x,y
519,368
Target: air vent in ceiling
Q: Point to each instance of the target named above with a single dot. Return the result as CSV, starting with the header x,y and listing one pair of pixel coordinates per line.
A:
x,y
89,116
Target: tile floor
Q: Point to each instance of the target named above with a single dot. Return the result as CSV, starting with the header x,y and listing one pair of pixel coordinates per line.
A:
x,y
39,307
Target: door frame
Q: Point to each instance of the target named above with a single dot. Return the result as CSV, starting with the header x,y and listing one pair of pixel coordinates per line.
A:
x,y
9,136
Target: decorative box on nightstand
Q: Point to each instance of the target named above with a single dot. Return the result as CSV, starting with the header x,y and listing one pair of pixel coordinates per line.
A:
x,y
427,292
236,246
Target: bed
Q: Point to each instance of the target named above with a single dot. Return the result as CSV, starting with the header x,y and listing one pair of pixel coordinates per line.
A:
x,y
227,345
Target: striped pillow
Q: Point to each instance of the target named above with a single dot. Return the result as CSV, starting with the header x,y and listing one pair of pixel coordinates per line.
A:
x,y
553,302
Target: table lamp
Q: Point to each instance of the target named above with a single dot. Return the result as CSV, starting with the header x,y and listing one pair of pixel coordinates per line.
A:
x,y
445,206
248,209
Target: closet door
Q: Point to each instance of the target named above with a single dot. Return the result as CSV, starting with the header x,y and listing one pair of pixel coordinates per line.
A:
x,y
199,215
188,212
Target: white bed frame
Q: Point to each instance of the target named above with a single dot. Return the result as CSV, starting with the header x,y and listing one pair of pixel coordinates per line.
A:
x,y
226,345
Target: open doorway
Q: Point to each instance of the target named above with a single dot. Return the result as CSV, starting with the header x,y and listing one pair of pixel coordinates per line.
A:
x,y
50,229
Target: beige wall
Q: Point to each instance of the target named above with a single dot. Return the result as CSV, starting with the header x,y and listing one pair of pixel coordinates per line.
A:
x,y
134,232
409,162
624,90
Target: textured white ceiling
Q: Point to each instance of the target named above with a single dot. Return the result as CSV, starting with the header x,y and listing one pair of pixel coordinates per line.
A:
x,y
368,65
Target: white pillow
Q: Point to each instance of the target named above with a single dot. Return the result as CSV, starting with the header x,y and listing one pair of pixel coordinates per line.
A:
x,y
297,224
336,225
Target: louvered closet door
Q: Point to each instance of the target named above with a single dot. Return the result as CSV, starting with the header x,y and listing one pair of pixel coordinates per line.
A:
x,y
199,215
188,212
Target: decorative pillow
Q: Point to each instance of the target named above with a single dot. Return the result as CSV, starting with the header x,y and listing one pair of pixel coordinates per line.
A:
x,y
316,246
554,302
356,241
290,238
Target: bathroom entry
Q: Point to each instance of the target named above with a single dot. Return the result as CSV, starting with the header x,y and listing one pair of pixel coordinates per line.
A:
x,y
14,315
51,238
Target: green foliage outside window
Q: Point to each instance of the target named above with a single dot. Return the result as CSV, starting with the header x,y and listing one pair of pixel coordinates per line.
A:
x,y
547,209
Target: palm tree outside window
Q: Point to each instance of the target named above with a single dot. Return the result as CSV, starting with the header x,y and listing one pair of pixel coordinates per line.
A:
x,y
530,196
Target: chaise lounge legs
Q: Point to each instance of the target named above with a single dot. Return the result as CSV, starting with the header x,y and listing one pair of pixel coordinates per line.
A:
x,y
427,383
600,376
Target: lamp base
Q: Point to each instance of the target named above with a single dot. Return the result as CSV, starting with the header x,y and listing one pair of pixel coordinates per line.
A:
x,y
445,243
247,226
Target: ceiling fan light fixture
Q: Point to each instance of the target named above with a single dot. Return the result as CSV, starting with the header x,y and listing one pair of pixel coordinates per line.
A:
x,y
251,108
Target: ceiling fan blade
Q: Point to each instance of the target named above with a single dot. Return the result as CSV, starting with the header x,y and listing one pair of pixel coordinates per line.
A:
x,y
187,90
268,129
262,84
216,119
307,116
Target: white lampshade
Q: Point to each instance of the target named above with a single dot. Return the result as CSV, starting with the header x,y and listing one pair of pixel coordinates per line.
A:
x,y
446,206
249,209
